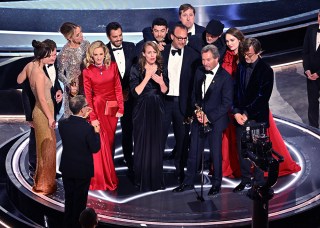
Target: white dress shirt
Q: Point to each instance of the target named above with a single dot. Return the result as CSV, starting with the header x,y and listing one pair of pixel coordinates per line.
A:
x,y
52,73
209,80
318,40
174,71
120,59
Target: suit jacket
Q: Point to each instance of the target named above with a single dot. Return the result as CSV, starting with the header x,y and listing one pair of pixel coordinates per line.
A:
x,y
311,56
129,55
28,99
217,100
199,30
253,99
190,62
79,141
198,42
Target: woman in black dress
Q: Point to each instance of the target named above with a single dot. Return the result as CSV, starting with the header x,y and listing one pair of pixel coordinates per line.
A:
x,y
148,83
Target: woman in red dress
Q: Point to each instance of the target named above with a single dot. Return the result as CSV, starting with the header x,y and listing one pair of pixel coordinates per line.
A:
x,y
230,162
103,91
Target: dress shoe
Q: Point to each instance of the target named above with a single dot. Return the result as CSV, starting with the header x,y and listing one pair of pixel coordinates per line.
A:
x,y
241,186
213,191
183,187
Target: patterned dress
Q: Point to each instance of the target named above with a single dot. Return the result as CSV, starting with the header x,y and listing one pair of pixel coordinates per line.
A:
x,y
70,65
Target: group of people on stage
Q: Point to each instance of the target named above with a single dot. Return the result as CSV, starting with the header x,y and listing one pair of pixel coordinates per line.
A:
x,y
205,83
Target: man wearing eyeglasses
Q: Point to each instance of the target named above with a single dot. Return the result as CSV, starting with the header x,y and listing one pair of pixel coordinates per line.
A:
x,y
182,62
79,141
253,88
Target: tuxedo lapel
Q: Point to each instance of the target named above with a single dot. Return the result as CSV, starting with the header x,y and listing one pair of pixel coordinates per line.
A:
x,y
314,39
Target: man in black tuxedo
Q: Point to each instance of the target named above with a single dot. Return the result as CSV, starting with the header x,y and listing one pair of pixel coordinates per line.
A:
x,y
123,53
79,141
28,101
182,61
213,93
157,33
311,65
253,88
187,14
212,35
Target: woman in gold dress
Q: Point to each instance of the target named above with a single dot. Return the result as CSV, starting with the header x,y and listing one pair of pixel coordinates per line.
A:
x,y
43,119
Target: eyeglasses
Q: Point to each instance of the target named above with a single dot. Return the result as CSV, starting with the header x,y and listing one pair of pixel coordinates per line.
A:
x,y
249,55
180,38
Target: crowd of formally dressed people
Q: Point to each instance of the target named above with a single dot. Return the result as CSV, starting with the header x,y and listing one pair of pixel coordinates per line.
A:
x,y
204,82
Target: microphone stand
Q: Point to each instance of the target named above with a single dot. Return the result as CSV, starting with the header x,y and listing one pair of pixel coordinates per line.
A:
x,y
200,198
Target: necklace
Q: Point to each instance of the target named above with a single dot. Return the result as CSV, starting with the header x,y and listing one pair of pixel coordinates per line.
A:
x,y
99,67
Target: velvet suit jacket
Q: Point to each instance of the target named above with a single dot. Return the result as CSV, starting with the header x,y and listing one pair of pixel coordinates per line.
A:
x,y
191,60
79,141
28,99
218,98
129,55
311,56
253,99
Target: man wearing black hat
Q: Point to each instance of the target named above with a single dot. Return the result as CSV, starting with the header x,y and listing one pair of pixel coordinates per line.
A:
x,y
212,35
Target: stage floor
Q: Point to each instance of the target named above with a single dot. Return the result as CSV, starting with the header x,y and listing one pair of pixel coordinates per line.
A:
x,y
127,206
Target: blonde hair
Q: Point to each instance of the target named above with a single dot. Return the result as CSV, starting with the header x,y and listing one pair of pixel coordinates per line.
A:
x,y
89,54
67,29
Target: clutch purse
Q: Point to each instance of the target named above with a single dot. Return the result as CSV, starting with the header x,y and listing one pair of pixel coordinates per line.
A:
x,y
111,108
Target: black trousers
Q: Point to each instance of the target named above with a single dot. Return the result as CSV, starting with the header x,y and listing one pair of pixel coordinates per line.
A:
x,y
214,138
127,129
180,130
313,89
76,193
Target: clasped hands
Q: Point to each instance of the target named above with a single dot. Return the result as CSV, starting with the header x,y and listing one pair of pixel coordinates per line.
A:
x,y
240,118
313,76
96,125
157,78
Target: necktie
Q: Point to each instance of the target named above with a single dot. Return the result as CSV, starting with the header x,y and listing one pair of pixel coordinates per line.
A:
x,y
189,34
116,49
208,72
173,51
318,30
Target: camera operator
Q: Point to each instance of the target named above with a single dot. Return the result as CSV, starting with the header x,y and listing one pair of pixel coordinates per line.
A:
x,y
253,88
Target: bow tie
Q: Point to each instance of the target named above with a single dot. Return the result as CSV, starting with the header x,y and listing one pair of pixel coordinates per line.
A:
x,y
318,30
189,34
116,49
49,65
173,51
208,72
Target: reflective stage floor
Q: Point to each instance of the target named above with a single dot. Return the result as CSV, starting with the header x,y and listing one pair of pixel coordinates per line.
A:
x,y
127,206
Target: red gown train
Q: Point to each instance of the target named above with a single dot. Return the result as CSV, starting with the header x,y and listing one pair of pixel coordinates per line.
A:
x,y
230,161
